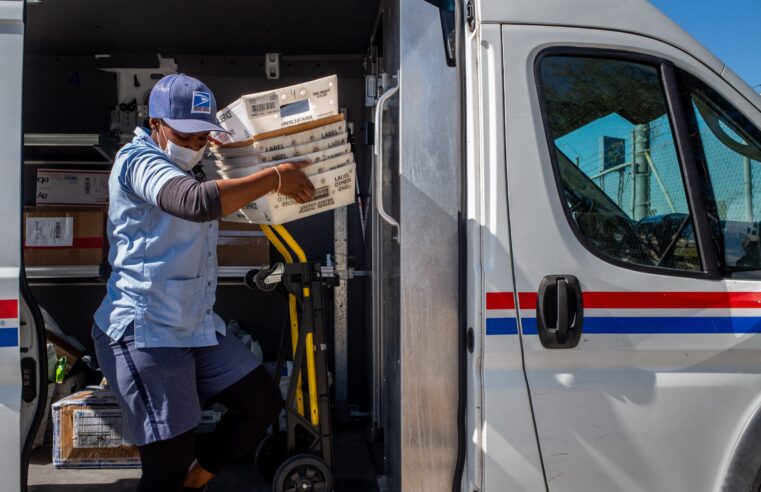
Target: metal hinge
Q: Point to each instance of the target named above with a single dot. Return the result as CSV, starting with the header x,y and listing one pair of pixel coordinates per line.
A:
x,y
470,15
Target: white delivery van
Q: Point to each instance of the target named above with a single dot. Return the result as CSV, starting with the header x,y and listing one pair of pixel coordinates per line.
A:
x,y
551,279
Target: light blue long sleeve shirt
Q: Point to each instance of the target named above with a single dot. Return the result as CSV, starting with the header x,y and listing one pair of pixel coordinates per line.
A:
x,y
164,274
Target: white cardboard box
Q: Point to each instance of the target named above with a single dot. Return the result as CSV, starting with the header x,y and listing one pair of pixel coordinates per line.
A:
x,y
72,187
303,149
333,189
285,141
263,112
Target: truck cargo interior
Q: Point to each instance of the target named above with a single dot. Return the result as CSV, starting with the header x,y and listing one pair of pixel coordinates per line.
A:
x,y
81,57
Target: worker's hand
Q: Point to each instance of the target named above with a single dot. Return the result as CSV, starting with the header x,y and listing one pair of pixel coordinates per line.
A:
x,y
294,183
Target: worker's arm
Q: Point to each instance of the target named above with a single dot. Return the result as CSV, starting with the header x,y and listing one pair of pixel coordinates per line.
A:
x,y
189,199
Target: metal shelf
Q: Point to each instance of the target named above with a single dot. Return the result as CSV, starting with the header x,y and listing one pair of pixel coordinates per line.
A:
x,y
70,148
93,271
85,271
62,139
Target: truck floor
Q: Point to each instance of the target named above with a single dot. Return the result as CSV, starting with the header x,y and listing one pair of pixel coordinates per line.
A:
x,y
352,461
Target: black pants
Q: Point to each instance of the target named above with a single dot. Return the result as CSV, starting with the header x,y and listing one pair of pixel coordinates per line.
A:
x,y
252,405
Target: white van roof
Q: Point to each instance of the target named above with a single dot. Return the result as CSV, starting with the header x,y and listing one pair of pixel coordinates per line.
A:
x,y
632,16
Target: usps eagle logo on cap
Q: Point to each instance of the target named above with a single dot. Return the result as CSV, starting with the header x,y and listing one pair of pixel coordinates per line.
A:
x,y
201,103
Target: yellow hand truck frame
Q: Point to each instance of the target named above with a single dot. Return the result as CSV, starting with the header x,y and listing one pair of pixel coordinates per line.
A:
x,y
308,433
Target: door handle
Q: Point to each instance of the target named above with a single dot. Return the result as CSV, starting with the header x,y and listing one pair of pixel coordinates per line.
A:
x,y
559,311
378,198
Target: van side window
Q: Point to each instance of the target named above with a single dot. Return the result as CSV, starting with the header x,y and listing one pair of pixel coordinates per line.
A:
x,y
620,177
728,146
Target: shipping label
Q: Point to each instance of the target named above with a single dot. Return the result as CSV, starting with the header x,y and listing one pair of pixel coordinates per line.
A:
x,y
49,232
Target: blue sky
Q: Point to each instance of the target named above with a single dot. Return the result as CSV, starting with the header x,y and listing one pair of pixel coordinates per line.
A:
x,y
731,30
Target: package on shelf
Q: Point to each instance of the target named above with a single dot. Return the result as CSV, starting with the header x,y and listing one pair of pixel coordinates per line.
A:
x,y
72,187
263,112
87,432
64,236
242,245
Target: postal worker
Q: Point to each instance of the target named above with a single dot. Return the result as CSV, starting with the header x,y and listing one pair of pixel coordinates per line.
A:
x,y
159,343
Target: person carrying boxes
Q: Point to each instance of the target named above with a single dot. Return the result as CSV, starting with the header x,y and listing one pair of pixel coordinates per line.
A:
x,y
162,348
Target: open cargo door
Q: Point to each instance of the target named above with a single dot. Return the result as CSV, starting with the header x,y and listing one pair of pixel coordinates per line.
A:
x,y
11,54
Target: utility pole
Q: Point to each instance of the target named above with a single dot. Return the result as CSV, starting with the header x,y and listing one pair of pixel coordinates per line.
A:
x,y
641,172
748,189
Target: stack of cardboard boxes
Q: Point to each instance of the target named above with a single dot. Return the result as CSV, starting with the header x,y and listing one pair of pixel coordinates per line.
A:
x,y
296,123
67,227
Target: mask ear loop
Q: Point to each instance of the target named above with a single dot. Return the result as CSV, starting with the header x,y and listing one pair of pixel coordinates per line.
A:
x,y
166,140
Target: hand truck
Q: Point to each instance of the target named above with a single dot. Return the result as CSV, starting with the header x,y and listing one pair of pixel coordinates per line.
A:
x,y
299,458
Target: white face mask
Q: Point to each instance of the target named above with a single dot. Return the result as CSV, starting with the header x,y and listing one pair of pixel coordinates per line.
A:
x,y
183,157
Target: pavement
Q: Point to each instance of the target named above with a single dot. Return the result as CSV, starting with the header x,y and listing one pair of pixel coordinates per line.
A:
x,y
353,468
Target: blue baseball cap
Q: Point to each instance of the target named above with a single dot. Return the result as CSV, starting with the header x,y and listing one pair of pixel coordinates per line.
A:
x,y
184,103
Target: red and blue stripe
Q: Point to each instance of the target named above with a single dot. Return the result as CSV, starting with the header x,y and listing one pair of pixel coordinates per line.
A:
x,y
9,323
696,313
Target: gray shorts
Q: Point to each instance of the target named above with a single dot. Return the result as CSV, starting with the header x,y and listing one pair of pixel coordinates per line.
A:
x,y
160,390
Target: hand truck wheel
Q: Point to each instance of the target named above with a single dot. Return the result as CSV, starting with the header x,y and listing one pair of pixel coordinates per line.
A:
x,y
260,279
271,451
303,473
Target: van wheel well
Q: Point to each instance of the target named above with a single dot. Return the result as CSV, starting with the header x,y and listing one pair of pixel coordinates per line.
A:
x,y
744,469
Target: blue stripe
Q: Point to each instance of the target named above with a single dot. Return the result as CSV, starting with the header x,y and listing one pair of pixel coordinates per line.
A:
x,y
8,337
651,325
501,326
140,388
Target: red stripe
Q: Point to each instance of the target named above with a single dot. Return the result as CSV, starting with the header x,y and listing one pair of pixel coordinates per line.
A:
x,y
78,243
527,300
672,300
500,300
643,300
8,308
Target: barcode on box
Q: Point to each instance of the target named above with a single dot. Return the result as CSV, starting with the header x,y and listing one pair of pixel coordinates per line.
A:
x,y
259,108
88,186
320,193
263,105
57,234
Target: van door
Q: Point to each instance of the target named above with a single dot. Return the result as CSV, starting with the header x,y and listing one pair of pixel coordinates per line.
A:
x,y
633,191
503,452
11,54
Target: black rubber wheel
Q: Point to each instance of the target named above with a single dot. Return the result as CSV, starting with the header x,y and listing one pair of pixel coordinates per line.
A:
x,y
303,473
248,279
259,280
271,451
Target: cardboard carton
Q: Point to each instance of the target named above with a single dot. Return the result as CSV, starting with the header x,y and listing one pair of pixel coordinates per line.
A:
x,y
268,111
63,237
72,187
87,432
242,244
333,189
